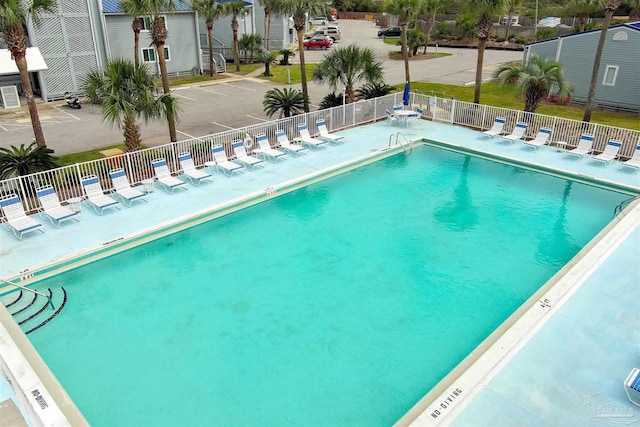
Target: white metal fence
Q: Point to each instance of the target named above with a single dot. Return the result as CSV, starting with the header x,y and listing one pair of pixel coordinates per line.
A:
x,y
137,165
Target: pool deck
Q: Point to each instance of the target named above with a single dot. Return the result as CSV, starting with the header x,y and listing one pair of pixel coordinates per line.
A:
x,y
566,366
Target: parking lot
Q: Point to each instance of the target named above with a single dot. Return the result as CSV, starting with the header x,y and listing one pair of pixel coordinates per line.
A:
x,y
235,102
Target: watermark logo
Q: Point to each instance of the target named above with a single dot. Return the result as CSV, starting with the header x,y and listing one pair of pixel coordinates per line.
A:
x,y
608,412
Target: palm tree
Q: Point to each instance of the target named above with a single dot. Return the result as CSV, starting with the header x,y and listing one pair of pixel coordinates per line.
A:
x,y
299,9
331,100
126,92
484,9
267,58
431,8
287,102
235,9
347,66
135,9
406,11
159,35
534,79
250,44
513,6
584,8
25,160
373,90
269,7
415,39
13,15
286,54
210,10
634,13
610,7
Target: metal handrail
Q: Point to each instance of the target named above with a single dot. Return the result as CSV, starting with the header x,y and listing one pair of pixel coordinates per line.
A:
x,y
624,203
401,144
30,290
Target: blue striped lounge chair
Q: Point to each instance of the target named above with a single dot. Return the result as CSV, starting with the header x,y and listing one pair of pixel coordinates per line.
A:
x,y
243,157
16,220
324,132
634,161
196,176
222,161
123,189
632,386
497,128
518,132
584,146
265,150
610,152
285,144
163,174
305,137
51,208
95,195
541,138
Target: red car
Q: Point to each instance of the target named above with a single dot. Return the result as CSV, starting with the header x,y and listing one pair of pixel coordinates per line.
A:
x,y
315,42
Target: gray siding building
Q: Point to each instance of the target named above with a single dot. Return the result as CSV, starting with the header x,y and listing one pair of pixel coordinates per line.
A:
x,y
618,85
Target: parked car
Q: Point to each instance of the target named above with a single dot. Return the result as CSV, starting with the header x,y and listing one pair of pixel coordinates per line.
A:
x,y
329,28
322,20
315,42
332,34
390,32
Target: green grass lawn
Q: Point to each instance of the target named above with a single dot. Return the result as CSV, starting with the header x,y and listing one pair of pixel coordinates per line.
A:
x,y
85,156
281,76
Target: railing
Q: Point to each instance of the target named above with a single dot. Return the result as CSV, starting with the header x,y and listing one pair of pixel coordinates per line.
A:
x,y
623,204
396,138
30,290
137,165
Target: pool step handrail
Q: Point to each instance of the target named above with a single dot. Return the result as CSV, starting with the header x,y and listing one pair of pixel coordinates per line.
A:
x,y
404,144
30,290
624,204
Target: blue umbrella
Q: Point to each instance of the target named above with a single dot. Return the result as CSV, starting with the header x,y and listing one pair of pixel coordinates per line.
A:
x,y
405,95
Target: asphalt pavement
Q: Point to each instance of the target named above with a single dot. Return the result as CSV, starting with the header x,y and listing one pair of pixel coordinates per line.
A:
x,y
236,101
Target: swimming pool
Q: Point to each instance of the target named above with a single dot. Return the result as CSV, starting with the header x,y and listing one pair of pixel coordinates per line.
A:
x,y
350,294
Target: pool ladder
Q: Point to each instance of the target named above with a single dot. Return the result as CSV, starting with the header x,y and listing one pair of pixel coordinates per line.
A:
x,y
624,204
404,142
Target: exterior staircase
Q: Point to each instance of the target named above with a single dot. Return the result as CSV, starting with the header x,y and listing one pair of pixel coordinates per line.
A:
x,y
32,311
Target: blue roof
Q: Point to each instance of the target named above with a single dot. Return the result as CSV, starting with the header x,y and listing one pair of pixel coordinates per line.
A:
x,y
631,25
111,6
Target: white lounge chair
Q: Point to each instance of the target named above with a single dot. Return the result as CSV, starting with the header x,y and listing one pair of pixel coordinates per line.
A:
x,y
306,138
243,157
196,176
610,152
584,146
634,161
265,148
496,129
518,132
632,386
324,132
96,196
541,138
397,107
391,119
222,161
123,187
51,207
163,174
283,141
16,219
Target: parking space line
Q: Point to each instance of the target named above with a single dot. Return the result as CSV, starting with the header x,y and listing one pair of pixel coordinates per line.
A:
x,y
239,87
187,135
258,118
212,91
67,113
182,96
3,128
224,126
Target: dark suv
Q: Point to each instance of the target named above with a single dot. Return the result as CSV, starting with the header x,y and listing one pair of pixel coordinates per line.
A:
x,y
390,32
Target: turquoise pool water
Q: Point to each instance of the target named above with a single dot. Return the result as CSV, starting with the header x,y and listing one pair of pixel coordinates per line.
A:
x,y
341,303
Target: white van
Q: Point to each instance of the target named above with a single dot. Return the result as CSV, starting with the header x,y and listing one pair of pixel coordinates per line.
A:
x,y
323,20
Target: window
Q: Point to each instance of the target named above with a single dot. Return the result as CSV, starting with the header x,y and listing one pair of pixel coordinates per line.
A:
x,y
145,23
149,54
610,75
